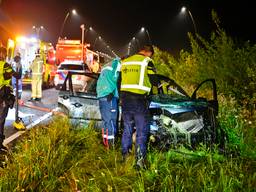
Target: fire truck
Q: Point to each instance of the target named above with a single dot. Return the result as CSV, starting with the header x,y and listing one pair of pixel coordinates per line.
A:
x,y
28,47
73,50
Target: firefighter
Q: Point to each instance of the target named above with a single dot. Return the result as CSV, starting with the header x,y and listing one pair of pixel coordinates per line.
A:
x,y
37,75
7,98
137,77
107,92
95,64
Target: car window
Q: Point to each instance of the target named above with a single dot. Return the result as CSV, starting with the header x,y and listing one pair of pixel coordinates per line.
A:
x,y
71,67
83,84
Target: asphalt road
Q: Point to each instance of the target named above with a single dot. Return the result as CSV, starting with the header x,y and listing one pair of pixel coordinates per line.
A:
x,y
33,111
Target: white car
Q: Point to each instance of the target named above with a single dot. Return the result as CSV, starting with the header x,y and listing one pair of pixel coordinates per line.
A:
x,y
72,66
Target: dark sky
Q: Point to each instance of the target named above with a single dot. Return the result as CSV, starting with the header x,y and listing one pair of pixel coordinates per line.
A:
x,y
117,21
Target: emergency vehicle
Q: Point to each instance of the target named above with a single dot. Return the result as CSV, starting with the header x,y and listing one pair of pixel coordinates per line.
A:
x,y
28,47
73,50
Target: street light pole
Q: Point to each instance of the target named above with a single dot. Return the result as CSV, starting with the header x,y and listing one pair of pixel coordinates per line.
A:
x,y
66,17
184,9
62,27
82,27
129,48
144,29
96,41
137,42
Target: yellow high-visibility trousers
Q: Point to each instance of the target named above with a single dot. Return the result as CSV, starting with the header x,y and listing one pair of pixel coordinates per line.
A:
x,y
36,86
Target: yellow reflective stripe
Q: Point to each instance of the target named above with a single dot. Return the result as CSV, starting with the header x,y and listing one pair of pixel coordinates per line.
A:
x,y
8,70
150,72
134,86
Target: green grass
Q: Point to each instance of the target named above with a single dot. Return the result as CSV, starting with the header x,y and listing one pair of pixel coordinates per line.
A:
x,y
58,158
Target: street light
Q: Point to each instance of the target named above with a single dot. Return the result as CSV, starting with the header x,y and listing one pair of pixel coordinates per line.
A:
x,y
137,42
62,27
37,29
183,10
96,41
129,48
144,29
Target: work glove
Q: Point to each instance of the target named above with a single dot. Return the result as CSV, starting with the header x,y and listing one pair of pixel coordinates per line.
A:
x,y
109,97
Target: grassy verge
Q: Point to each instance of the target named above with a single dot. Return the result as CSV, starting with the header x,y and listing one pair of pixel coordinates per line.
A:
x,y
58,158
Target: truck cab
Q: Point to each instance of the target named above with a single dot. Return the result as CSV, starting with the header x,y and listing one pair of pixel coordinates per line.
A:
x,y
67,49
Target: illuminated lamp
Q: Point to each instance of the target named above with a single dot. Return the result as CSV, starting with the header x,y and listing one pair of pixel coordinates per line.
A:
x,y
10,43
21,39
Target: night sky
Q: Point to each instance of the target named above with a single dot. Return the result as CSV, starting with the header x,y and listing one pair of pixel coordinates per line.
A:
x,y
117,21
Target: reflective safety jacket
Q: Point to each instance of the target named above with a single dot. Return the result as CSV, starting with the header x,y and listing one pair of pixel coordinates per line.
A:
x,y
135,71
107,82
3,70
37,66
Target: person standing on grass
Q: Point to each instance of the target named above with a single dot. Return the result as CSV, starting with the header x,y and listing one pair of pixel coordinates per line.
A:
x,y
107,93
136,78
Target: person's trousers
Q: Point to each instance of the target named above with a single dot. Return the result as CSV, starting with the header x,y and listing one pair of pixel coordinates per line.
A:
x,y
36,86
14,85
3,114
109,113
135,113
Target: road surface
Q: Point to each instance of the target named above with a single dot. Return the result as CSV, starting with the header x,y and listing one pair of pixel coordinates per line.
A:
x,y
36,110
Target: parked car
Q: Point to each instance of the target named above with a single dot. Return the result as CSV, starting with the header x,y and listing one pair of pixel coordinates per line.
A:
x,y
72,66
175,118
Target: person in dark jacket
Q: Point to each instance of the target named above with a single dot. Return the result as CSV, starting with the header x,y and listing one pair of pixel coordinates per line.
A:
x,y
137,72
7,98
18,68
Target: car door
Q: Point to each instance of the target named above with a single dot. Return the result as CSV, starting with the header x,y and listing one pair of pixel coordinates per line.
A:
x,y
213,106
81,105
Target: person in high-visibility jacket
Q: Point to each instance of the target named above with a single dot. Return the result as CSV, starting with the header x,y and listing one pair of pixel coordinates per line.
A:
x,y
107,93
136,81
37,76
7,98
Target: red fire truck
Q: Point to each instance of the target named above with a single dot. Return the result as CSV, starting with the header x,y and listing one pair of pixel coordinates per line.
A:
x,y
73,50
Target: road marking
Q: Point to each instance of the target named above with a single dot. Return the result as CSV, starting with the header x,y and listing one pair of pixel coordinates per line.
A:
x,y
19,133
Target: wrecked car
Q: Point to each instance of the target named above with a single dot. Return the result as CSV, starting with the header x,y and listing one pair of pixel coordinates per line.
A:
x,y
175,117
179,118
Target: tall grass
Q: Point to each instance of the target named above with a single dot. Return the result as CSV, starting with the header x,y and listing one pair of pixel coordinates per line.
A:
x,y
60,158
